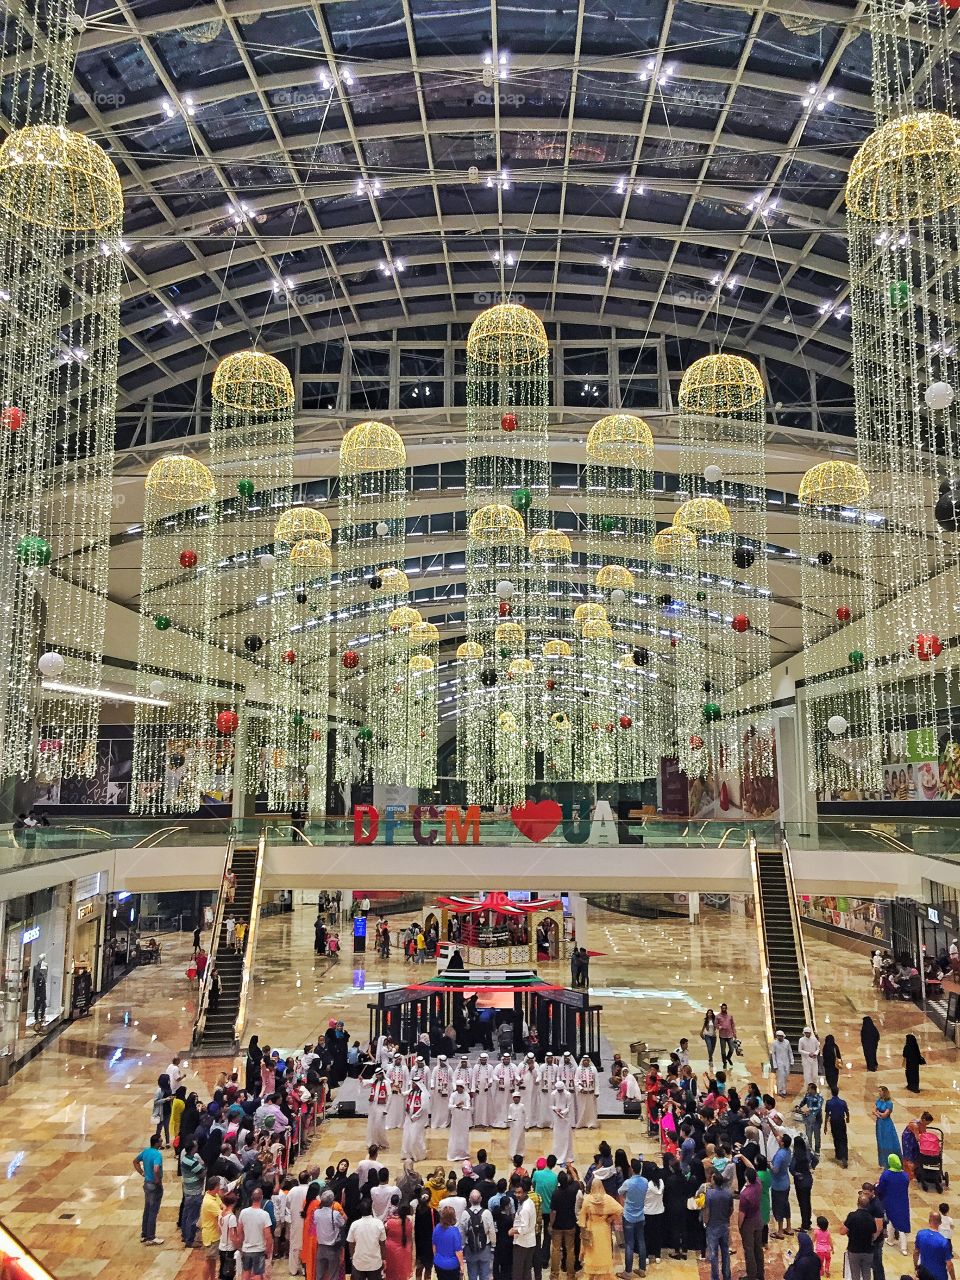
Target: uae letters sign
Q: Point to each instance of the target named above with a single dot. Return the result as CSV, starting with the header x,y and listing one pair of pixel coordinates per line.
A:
x,y
536,821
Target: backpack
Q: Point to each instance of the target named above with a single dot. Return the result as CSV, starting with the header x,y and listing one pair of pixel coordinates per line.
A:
x,y
476,1241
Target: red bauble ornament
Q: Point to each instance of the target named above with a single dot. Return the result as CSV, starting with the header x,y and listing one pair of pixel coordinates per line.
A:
x,y
505,608
926,647
696,741
289,657
740,623
13,418
625,722
351,659
316,735
595,726
227,721
673,642
188,559
609,726
551,685
508,422
843,614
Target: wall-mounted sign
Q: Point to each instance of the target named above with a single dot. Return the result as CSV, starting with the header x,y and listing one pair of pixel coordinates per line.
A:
x,y
86,909
31,935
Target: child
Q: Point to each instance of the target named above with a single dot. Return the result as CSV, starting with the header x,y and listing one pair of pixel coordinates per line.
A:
x,y
683,1052
946,1222
823,1245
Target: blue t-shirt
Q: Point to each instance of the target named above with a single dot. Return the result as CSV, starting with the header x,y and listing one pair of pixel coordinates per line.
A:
x,y
152,1161
837,1110
780,1170
446,1242
545,1184
634,1192
935,1252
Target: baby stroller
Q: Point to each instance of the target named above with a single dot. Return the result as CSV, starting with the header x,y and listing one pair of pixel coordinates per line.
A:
x,y
930,1165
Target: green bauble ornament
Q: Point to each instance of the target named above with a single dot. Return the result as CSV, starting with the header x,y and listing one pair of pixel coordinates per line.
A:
x,y
33,551
711,712
364,733
608,524
857,658
504,653
899,293
245,488
701,596
161,622
522,499
297,719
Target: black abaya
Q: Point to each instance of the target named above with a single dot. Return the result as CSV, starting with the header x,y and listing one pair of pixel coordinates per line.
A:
x,y
869,1041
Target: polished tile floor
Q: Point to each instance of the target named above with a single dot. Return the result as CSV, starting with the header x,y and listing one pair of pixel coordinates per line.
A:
x,y
74,1118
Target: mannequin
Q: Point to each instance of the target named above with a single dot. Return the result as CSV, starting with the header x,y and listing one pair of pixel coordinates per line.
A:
x,y
40,992
82,987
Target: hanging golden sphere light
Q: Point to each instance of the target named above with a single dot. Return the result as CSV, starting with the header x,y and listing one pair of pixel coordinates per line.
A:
x,y
53,177
420,663
497,525
422,634
371,446
556,649
620,440
390,581
520,667
302,522
703,515
311,553
252,382
588,613
469,650
509,635
833,484
614,577
549,544
673,542
507,335
180,479
908,168
404,616
720,384
597,629
507,722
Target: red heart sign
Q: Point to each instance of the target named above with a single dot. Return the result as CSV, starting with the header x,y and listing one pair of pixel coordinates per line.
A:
x,y
536,819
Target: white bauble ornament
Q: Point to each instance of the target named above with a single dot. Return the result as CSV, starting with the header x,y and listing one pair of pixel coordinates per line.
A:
x,y
837,725
939,395
51,665
157,687
712,473
311,771
618,595
382,528
505,589
267,560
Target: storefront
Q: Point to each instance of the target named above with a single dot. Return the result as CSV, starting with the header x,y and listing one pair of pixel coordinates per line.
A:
x,y
121,936
33,986
86,969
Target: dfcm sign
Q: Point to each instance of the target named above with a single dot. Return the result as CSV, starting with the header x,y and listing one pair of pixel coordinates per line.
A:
x,y
534,821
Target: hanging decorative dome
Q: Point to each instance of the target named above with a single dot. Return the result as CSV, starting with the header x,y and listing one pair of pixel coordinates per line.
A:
x,y
620,440
422,634
371,446
393,582
908,168
720,384
180,479
507,335
799,25
703,515
404,616
672,543
497,525
469,650
311,553
588,613
556,649
252,382
302,522
520,667
53,177
549,544
202,32
614,576
420,663
597,629
509,635
833,484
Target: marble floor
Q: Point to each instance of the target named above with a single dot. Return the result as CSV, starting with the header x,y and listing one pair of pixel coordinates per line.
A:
x,y
72,1120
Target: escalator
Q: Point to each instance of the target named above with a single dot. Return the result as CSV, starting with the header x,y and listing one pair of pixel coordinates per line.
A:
x,y
218,1028
788,994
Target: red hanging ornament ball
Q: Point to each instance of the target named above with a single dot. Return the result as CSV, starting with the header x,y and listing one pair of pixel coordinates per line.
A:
x,y
316,735
188,559
505,608
609,726
625,722
595,726
843,614
926,647
13,418
508,422
227,721
551,685
289,657
696,741
673,642
740,623
351,660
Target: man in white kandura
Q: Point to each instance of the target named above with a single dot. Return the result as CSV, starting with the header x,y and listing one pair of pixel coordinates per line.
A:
x,y
481,1087
587,1088
526,1081
377,1115
781,1059
462,1071
809,1047
441,1086
398,1078
517,1120
503,1082
417,1113
458,1145
561,1105
546,1079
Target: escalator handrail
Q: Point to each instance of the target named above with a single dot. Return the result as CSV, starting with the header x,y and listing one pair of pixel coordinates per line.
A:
x,y
806,990
200,1024
765,985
